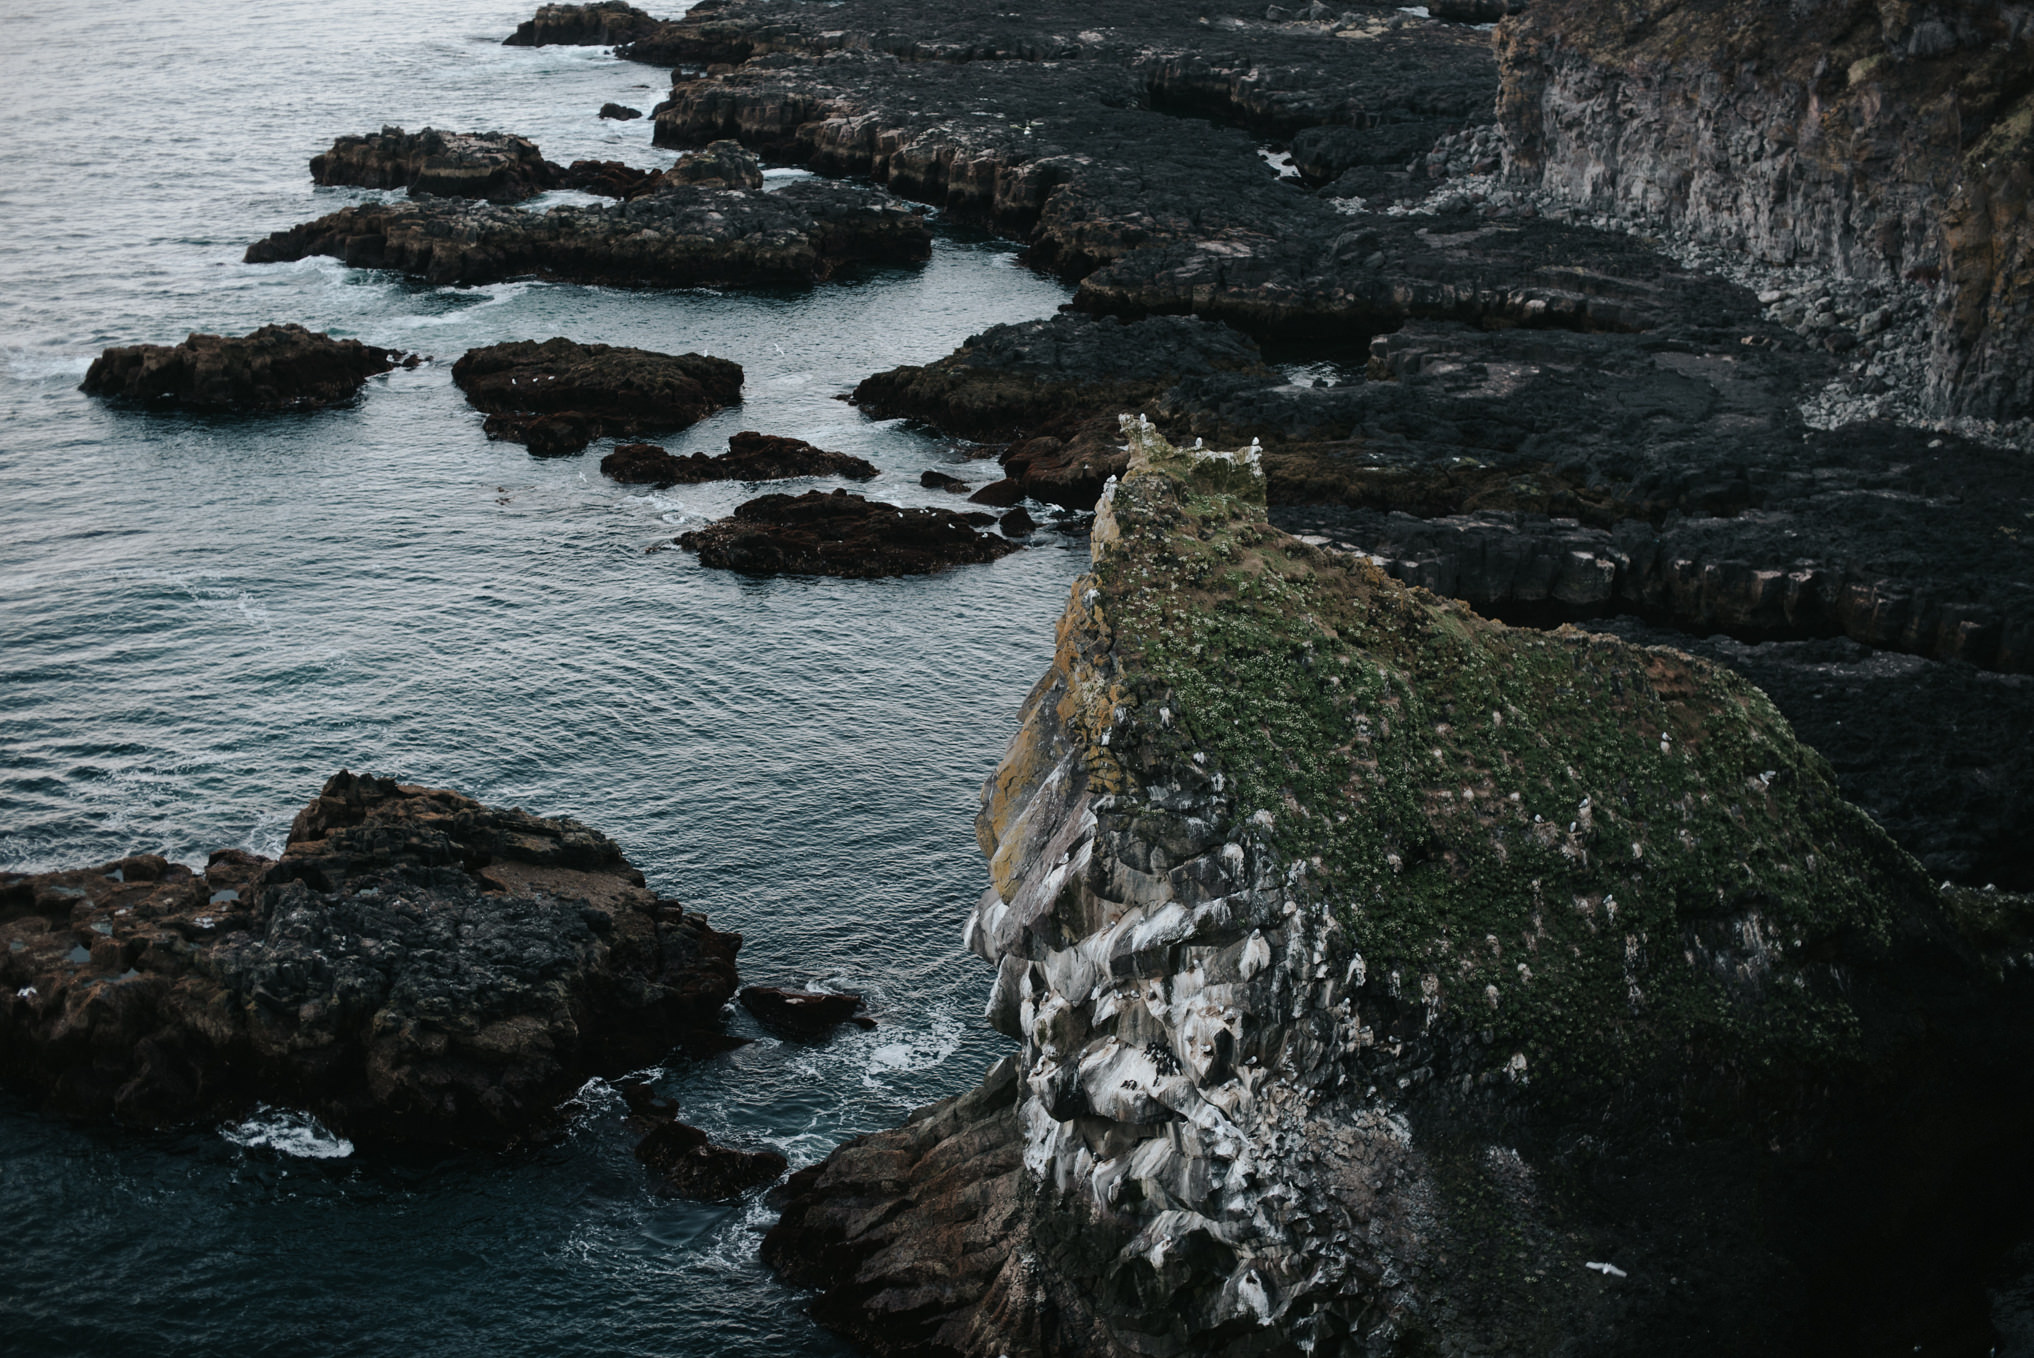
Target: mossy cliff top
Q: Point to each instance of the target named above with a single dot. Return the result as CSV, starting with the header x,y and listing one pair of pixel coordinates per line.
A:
x,y
1599,857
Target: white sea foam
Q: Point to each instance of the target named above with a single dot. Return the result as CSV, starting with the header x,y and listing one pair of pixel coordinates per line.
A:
x,y
287,1132
914,1052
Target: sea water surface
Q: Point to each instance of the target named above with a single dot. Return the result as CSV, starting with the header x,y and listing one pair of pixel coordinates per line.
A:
x,y
202,619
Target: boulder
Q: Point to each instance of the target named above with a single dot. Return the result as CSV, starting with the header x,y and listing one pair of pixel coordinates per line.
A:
x,y
491,165
619,112
1389,980
690,1165
604,24
803,1013
680,236
750,457
839,534
610,178
938,480
1017,524
416,967
278,367
722,165
559,395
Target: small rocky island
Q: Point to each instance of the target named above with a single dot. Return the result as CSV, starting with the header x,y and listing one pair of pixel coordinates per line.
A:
x,y
558,395
278,367
416,967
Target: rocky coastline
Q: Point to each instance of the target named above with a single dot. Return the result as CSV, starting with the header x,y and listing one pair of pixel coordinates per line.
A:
x,y
1366,1000
417,967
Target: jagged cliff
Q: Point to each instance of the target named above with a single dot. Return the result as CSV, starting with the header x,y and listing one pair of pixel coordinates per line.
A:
x,y
1379,973
1885,139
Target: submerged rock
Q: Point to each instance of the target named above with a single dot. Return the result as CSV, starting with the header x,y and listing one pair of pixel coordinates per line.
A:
x,y
690,1165
415,967
840,534
597,25
492,165
803,1013
938,480
682,235
620,112
278,367
750,457
1388,980
559,395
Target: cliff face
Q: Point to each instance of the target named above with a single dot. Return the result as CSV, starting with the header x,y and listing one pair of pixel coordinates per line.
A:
x,y
1880,138
1378,972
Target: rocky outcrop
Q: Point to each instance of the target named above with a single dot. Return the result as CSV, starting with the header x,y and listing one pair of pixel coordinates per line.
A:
x,y
491,165
840,534
803,1013
620,112
750,457
278,367
680,236
689,1164
720,165
1879,140
415,967
1386,981
558,395
597,25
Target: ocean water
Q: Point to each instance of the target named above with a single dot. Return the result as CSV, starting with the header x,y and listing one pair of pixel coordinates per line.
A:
x,y
202,619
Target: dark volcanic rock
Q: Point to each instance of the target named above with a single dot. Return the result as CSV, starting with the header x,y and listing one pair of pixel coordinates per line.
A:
x,y
491,165
416,966
938,480
620,112
278,367
802,1013
595,25
1492,955
839,534
1017,524
680,236
1823,132
568,394
750,457
721,165
691,1166
1048,376
610,178
998,494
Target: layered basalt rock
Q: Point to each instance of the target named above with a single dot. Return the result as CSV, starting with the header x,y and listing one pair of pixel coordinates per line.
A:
x,y
559,395
1382,974
492,165
750,457
1882,141
415,967
840,534
597,25
278,367
680,236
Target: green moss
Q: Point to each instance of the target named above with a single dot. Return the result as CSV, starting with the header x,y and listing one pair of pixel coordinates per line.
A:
x,y
1600,853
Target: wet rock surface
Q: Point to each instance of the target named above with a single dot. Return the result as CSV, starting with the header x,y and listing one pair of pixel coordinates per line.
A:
x,y
1374,991
558,395
803,1013
690,1165
620,112
596,25
840,534
680,236
492,165
750,457
416,967
278,367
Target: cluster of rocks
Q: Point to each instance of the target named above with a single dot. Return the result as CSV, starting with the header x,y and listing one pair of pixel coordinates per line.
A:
x,y
749,457
603,24
818,533
415,967
1388,980
558,395
683,235
491,165
278,367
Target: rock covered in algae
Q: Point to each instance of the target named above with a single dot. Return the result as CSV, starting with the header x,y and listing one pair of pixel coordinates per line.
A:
x,y
1382,974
